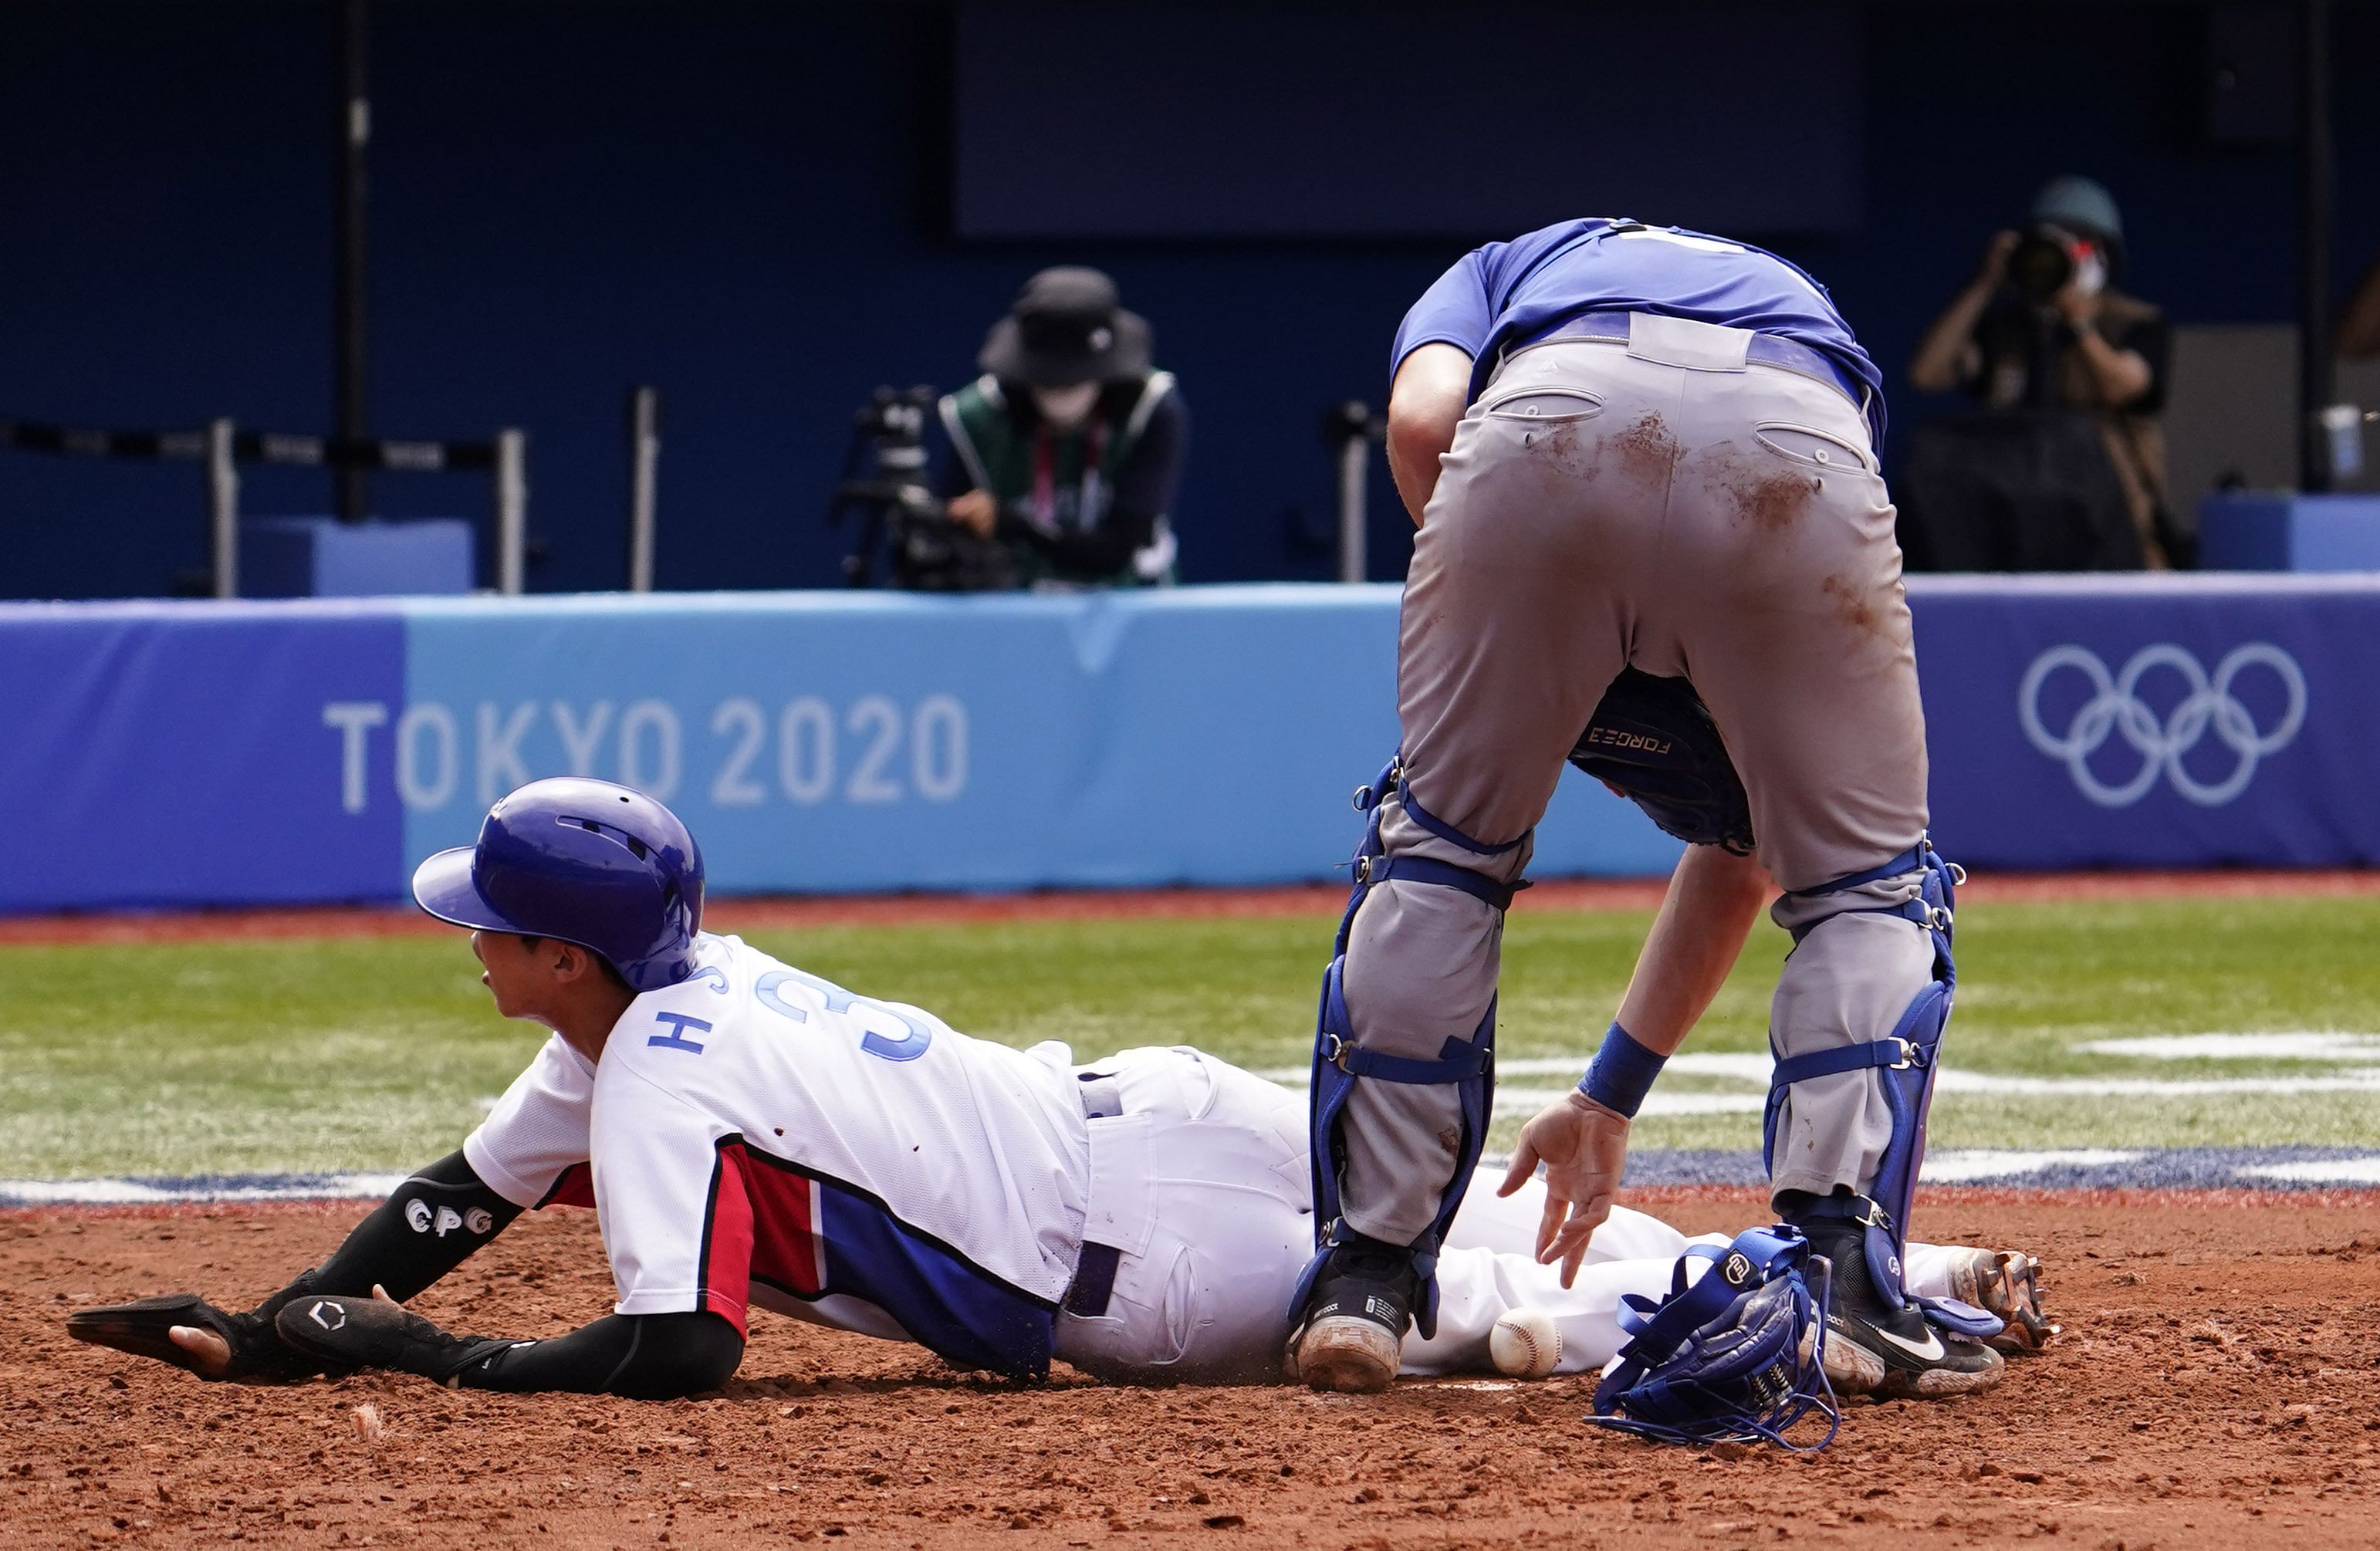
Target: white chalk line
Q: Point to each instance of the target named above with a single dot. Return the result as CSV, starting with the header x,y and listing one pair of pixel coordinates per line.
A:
x,y
138,1192
2345,1171
2292,1045
1752,1067
1952,1166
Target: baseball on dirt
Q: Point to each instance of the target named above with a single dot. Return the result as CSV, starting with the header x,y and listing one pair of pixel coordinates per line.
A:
x,y
1524,1344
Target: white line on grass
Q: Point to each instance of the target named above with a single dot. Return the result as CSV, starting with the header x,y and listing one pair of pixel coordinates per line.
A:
x,y
133,1193
1750,1066
2301,1044
2344,1170
1954,1079
1957,1165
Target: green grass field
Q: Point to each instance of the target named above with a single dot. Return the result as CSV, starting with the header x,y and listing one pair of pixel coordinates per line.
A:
x,y
358,1054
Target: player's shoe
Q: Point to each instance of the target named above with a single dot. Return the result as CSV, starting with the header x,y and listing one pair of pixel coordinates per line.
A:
x,y
2006,1283
1891,1354
1353,1337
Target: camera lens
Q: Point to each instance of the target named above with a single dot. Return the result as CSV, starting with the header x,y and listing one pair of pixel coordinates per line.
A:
x,y
2040,266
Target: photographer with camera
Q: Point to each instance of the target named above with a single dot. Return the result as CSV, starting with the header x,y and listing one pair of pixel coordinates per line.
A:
x,y
1069,447
2066,467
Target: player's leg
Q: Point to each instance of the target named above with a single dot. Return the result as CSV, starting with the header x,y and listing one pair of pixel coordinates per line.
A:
x,y
1477,1287
1200,1191
1799,639
1514,620
1488,1268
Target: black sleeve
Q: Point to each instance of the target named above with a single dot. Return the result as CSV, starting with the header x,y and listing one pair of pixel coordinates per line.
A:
x,y
957,478
641,1357
1143,492
1093,556
1145,484
426,1226
2151,338
2004,330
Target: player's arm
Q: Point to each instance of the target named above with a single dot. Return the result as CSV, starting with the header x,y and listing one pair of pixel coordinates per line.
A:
x,y
1582,1138
428,1225
679,1328
1713,899
1431,362
639,1357
1426,406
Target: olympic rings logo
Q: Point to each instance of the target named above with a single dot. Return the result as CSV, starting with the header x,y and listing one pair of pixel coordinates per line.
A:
x,y
2116,708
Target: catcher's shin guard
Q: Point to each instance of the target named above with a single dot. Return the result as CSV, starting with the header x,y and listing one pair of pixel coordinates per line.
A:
x,y
1738,1356
1905,1061
1340,1063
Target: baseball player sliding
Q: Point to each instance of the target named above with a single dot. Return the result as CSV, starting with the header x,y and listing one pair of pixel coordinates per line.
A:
x,y
751,1134
1643,462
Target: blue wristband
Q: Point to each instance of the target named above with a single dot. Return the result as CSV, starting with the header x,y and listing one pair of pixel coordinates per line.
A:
x,y
1622,1073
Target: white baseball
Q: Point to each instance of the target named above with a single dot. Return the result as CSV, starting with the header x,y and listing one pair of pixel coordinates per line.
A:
x,y
1524,1344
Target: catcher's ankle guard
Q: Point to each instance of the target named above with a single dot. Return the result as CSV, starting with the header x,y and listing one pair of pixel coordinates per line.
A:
x,y
1905,1062
1339,1062
1736,1356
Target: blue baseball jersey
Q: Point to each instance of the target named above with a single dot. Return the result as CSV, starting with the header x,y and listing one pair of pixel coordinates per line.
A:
x,y
1509,292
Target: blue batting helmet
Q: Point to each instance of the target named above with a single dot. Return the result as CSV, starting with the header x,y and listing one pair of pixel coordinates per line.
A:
x,y
602,866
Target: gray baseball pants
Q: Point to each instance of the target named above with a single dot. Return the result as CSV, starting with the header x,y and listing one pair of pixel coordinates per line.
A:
x,y
1603,505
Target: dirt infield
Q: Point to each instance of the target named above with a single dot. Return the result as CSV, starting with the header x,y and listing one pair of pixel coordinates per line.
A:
x,y
2219,1379
755,913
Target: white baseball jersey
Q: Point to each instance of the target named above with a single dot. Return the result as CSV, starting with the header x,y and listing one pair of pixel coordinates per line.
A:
x,y
757,1133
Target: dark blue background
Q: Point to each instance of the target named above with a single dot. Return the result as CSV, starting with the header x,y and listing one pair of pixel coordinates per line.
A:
x,y
1296,97
751,206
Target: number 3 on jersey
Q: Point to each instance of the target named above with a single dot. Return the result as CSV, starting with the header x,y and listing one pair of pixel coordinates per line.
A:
x,y
908,1048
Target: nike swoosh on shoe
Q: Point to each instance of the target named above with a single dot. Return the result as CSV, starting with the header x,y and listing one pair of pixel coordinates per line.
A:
x,y
1929,1352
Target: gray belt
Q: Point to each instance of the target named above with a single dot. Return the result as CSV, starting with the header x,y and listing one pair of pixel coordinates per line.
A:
x,y
1769,349
1095,1267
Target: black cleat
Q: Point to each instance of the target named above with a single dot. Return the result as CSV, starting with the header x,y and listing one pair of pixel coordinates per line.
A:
x,y
1353,1337
1890,1353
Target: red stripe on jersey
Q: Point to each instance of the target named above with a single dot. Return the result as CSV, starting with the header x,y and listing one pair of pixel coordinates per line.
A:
x,y
726,1283
574,1187
763,1225
787,1248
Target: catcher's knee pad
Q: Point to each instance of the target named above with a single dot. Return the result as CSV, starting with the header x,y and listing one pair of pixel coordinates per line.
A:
x,y
1737,1355
1905,1061
1340,1063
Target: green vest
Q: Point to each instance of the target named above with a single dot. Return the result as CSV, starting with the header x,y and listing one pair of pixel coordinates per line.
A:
x,y
1003,457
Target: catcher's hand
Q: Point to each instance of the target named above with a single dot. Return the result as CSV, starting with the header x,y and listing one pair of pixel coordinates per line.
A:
x,y
378,1332
186,1330
1583,1146
1652,741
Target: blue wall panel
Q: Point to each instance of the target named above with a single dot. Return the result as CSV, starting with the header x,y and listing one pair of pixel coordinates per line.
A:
x,y
2170,721
191,754
188,754
827,741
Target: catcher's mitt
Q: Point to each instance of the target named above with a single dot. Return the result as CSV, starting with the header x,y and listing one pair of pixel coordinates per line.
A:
x,y
1653,741
1735,1356
143,1327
